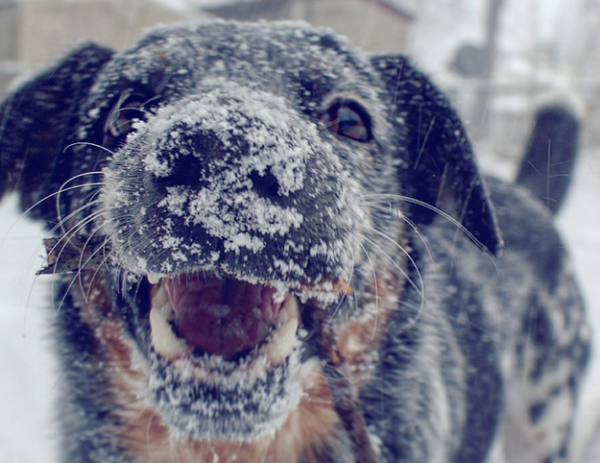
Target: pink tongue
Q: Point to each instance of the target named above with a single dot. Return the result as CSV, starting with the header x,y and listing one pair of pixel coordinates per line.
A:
x,y
221,317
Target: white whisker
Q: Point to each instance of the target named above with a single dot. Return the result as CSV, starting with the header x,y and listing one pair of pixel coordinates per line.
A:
x,y
420,291
376,288
446,216
348,285
82,265
102,264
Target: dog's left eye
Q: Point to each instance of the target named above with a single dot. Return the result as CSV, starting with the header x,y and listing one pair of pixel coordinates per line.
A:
x,y
348,119
128,110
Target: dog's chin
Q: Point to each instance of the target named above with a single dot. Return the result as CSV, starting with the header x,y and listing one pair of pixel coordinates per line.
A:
x,y
225,356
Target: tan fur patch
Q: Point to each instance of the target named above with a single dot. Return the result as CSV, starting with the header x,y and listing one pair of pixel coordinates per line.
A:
x,y
358,339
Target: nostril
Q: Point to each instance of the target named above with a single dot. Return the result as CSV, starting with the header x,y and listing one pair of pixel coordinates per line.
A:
x,y
265,184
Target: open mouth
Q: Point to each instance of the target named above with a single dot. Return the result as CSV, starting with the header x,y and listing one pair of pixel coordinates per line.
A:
x,y
199,315
227,355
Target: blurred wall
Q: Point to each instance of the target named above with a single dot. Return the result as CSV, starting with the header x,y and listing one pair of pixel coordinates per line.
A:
x,y
373,25
35,34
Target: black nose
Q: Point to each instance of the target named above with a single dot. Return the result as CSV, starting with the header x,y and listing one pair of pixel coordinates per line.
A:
x,y
265,185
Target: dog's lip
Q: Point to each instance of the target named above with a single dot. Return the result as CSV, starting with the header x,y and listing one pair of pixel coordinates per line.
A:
x,y
194,316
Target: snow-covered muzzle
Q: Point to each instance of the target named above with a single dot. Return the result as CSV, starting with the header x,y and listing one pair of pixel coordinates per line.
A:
x,y
235,181
232,214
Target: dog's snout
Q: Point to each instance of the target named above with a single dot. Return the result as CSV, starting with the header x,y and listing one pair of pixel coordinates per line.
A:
x,y
220,177
265,184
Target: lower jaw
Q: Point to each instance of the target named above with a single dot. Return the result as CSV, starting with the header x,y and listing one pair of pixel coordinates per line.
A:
x,y
225,400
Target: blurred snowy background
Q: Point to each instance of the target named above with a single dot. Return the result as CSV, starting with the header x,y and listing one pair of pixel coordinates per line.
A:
x,y
496,58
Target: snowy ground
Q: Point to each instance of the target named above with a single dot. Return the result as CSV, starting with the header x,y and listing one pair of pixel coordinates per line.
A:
x,y
27,372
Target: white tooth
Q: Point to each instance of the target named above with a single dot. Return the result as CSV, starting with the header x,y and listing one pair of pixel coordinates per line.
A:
x,y
289,310
309,373
153,278
164,341
281,344
160,298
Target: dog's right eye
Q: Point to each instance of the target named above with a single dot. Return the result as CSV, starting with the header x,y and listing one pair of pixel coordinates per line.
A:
x,y
125,113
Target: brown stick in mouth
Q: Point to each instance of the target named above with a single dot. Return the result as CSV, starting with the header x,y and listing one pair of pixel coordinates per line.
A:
x,y
71,254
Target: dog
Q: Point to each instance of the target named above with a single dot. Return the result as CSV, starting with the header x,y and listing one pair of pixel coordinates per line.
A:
x,y
269,246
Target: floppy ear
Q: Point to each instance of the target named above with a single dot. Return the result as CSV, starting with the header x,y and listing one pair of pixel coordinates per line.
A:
x,y
37,119
437,165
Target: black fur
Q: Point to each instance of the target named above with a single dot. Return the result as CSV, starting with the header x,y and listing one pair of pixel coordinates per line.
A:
x,y
475,327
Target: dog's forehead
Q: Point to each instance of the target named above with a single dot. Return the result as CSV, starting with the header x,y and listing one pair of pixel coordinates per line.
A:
x,y
268,55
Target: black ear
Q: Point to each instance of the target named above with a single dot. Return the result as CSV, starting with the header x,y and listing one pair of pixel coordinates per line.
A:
x,y
437,165
37,119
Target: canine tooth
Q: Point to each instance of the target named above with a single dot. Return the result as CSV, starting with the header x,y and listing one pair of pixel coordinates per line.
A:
x,y
309,373
153,278
289,310
164,341
160,298
282,343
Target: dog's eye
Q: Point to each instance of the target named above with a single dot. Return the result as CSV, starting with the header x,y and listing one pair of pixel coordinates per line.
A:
x,y
128,110
348,119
